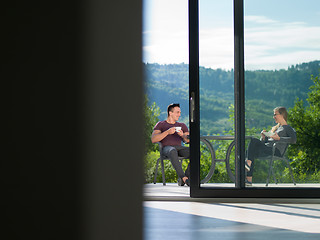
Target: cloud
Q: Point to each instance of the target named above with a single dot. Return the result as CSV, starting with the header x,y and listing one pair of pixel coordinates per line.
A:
x,y
259,19
281,45
269,43
167,47
167,39
216,48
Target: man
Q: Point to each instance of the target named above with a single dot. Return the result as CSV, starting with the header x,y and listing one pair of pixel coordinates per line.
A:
x,y
171,133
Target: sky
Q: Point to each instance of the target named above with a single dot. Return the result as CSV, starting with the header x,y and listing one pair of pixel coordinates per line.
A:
x,y
278,33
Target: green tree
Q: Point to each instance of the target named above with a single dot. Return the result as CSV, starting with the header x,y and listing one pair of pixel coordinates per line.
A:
x,y
151,113
306,121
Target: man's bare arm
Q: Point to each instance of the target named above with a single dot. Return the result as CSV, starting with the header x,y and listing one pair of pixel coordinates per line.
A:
x,y
157,135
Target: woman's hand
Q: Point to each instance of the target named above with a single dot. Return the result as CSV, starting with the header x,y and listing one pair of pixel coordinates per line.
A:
x,y
275,136
262,135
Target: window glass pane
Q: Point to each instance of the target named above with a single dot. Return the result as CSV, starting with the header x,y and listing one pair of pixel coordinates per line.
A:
x,y
282,53
165,62
216,93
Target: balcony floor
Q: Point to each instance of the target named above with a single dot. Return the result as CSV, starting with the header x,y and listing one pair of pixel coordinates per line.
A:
x,y
169,213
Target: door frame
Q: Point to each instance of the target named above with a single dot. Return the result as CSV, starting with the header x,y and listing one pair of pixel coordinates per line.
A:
x,y
239,191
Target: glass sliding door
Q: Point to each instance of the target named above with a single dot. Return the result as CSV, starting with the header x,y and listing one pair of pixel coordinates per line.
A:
x,y
216,83
282,61
229,106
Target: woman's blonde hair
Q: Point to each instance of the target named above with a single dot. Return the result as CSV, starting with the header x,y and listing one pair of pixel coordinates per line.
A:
x,y
283,112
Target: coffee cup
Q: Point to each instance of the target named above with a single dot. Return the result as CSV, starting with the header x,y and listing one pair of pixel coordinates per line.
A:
x,y
178,129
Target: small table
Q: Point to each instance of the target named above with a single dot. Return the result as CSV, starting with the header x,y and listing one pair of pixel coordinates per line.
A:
x,y
206,140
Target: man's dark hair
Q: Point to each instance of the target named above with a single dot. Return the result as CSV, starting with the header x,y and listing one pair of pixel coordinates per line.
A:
x,y
171,107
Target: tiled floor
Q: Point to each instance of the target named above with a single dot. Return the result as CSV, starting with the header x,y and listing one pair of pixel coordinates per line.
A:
x,y
169,213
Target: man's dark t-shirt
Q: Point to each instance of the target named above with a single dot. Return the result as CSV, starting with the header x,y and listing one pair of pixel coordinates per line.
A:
x,y
171,139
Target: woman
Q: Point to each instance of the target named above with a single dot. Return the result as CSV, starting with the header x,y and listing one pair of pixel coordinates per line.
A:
x,y
282,134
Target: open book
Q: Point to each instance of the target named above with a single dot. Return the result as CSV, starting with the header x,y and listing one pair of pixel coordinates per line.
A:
x,y
268,134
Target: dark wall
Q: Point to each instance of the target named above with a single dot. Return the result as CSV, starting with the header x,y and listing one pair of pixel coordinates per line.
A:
x,y
73,169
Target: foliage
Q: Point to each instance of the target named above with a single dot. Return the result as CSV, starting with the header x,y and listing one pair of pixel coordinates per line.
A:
x,y
221,148
306,121
169,83
151,113
150,166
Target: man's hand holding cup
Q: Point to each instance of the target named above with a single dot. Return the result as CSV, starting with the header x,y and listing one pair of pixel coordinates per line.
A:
x,y
179,131
171,130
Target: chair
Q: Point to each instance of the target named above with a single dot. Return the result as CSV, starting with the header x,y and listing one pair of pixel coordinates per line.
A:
x,y
160,159
274,157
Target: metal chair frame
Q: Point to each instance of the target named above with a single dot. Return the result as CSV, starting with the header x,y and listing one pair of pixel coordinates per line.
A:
x,y
274,157
160,159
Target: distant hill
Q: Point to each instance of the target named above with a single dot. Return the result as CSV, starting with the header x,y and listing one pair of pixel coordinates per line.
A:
x,y
264,90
